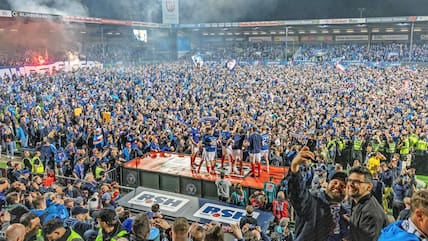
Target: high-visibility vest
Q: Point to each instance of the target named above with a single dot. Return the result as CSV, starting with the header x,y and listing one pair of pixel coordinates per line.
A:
x,y
40,168
391,147
120,234
358,145
413,140
421,145
405,149
73,236
341,144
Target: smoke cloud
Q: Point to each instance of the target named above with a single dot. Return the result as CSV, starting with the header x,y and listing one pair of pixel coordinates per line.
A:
x,y
226,10
57,7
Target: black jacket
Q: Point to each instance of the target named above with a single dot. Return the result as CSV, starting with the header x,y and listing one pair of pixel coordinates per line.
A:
x,y
314,219
367,219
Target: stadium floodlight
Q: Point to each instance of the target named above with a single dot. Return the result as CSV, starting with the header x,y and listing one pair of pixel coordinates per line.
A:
x,y
229,33
212,34
255,33
263,33
237,33
363,30
349,30
361,25
313,31
336,30
389,30
205,34
272,32
375,30
323,26
117,33
109,33
403,24
290,32
404,30
417,29
282,32
246,33
220,33
300,31
324,31
82,32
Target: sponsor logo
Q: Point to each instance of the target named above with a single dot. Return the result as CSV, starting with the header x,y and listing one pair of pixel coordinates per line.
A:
x,y
221,213
191,189
170,5
131,179
166,202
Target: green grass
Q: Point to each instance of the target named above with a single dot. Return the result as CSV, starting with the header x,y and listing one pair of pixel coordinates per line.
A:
x,y
422,178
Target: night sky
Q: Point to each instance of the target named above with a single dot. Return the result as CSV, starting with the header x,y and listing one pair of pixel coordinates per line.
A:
x,y
198,11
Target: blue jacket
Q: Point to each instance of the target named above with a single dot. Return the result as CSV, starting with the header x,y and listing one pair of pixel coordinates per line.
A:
x,y
394,232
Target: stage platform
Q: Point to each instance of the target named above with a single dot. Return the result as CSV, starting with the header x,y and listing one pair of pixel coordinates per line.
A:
x,y
172,172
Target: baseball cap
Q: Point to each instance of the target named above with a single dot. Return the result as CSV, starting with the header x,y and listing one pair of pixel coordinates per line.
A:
x,y
106,196
105,214
78,210
340,176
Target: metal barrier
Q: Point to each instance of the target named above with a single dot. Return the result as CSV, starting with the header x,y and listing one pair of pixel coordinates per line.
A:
x,y
63,180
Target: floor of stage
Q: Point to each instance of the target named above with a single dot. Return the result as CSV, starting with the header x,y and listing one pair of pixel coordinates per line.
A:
x,y
180,166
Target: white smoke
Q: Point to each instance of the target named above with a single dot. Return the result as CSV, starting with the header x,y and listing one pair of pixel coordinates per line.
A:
x,y
57,7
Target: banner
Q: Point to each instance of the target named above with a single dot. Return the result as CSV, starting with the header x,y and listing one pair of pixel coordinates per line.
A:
x,y
352,38
392,37
5,13
41,69
260,39
284,38
170,11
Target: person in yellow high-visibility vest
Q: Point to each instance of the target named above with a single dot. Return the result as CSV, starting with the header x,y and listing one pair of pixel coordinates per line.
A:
x,y
37,164
404,146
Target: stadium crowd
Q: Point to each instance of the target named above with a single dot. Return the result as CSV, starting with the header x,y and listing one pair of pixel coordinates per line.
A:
x,y
84,123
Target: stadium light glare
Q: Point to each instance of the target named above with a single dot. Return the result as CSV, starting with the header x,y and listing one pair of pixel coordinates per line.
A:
x,y
389,30
336,31
14,30
417,29
109,33
300,31
237,33
403,24
272,32
324,31
375,30
364,30
212,34
282,32
361,25
82,32
246,33
263,33
323,26
255,33
349,30
117,33
229,33
220,33
404,30
290,32
313,31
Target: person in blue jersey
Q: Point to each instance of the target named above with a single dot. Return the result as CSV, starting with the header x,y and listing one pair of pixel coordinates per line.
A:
x,y
226,148
413,229
194,139
254,148
265,146
210,143
238,139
